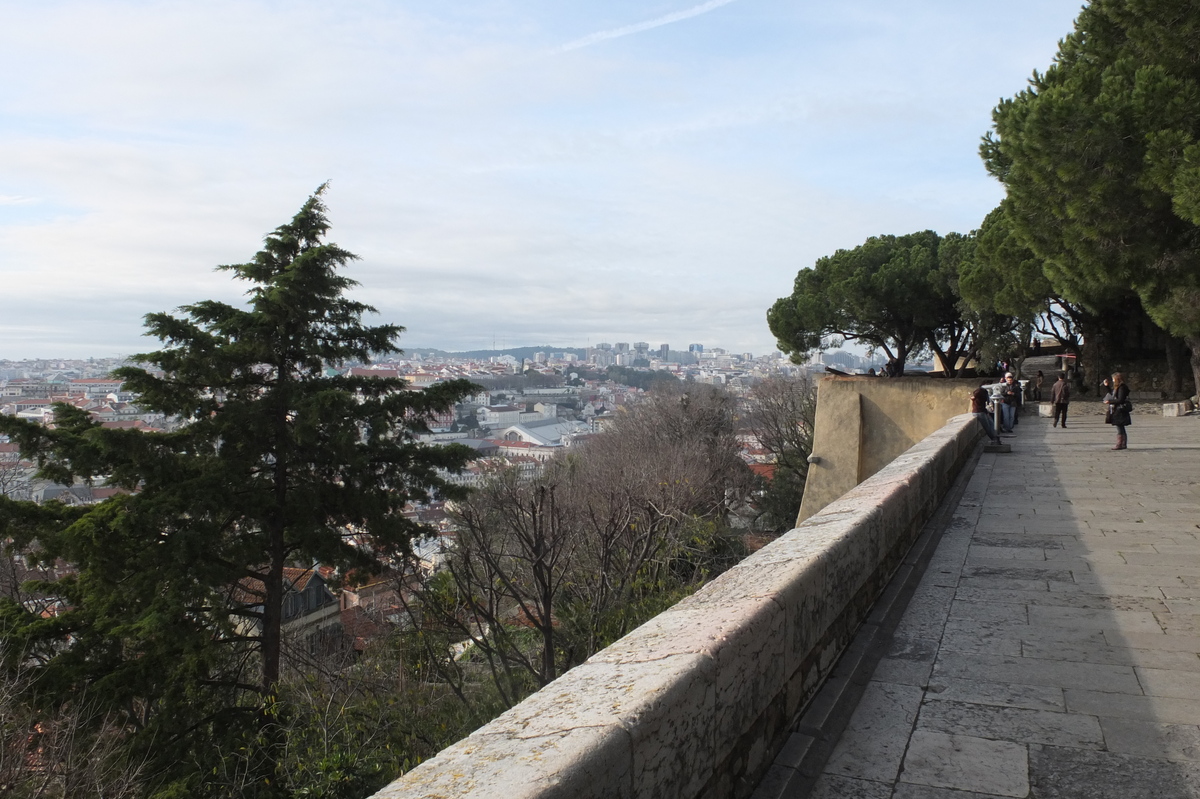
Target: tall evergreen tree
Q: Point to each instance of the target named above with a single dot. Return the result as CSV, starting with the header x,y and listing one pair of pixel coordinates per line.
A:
x,y
302,461
281,461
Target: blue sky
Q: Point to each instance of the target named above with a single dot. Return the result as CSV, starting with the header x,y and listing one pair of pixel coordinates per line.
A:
x,y
526,172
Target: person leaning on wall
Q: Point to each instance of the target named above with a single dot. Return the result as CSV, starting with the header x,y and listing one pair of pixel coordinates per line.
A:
x,y
979,402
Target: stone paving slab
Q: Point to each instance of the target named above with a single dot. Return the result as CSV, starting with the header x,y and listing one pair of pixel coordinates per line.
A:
x,y
1053,646
874,748
965,762
1067,773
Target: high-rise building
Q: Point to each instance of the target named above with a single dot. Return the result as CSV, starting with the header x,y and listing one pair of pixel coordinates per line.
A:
x,y
641,349
696,348
664,352
621,346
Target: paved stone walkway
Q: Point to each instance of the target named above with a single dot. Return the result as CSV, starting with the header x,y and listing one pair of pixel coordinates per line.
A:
x,y
1052,648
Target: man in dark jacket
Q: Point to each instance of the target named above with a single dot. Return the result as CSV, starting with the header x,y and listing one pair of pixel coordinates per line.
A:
x,y
1060,395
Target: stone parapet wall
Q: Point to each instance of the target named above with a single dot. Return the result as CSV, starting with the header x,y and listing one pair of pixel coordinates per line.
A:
x,y
695,702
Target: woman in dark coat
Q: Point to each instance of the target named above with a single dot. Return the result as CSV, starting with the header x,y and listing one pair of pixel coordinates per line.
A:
x,y
1118,408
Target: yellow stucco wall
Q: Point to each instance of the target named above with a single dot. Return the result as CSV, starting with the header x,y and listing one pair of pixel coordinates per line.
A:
x,y
863,423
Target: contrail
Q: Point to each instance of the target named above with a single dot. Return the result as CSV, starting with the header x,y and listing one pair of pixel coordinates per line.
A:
x,y
614,33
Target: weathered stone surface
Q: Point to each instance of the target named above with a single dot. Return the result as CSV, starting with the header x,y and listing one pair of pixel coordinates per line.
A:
x,y
743,638
831,786
1006,570
1167,710
1066,773
1011,724
585,762
665,707
873,744
1166,682
966,763
989,611
1060,674
985,553
1034,697
1116,655
1152,739
909,661
1168,643
1177,408
903,672
907,790
927,612
774,784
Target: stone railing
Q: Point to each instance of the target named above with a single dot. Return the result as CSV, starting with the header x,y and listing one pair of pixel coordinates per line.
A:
x,y
695,702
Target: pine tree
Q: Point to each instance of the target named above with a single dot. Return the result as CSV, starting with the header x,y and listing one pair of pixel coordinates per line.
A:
x,y
889,293
300,461
1100,157
281,460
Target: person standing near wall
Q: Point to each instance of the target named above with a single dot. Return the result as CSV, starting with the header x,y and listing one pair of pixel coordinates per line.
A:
x,y
979,401
1118,409
1011,397
1060,396
1037,386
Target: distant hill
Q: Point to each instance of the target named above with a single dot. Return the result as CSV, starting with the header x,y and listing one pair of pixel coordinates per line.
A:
x,y
520,353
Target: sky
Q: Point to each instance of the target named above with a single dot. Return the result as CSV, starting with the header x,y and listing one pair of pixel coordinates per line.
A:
x,y
510,173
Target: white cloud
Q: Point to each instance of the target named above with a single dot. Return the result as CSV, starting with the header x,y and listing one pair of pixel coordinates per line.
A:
x,y
627,30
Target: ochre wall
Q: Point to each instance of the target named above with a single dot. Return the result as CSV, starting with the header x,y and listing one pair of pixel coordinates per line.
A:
x,y
863,423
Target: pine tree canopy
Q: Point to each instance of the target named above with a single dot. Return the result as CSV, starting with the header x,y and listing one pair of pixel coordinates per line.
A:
x,y
1100,157
897,294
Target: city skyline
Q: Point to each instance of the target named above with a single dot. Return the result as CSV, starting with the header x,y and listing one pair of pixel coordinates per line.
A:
x,y
525,174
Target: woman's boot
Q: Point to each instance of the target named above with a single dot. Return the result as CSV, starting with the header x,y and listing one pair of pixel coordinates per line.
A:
x,y
1121,441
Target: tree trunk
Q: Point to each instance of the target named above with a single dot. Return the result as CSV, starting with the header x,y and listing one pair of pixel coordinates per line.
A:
x,y
1175,348
1092,362
1193,342
272,618
542,521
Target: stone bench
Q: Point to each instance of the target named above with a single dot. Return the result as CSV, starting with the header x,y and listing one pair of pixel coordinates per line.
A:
x,y
1177,408
697,701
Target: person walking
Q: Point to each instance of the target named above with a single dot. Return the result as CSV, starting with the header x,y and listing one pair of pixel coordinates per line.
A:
x,y
1010,394
1060,397
1037,386
1118,409
979,407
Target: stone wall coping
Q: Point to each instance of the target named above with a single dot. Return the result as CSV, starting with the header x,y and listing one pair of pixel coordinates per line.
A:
x,y
663,710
